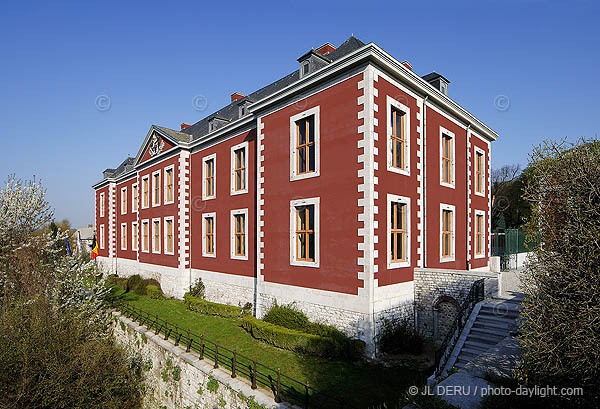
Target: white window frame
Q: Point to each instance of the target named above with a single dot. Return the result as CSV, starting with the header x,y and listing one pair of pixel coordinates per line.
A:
x,y
232,229
293,166
205,216
392,103
102,205
316,202
204,160
146,222
102,236
154,174
135,203
444,131
134,239
404,200
482,152
124,194
243,145
483,235
444,206
147,180
154,251
123,242
172,169
172,219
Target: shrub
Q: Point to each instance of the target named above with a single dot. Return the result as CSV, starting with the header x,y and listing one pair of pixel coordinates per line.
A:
x,y
52,358
290,317
133,282
154,292
398,337
197,290
293,340
210,308
560,337
142,286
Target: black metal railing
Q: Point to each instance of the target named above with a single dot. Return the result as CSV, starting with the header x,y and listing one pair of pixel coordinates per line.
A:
x,y
476,294
283,387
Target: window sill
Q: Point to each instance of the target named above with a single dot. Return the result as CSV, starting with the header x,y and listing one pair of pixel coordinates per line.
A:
x,y
447,259
209,197
399,264
481,194
309,175
314,264
405,172
239,257
238,192
209,255
477,256
449,185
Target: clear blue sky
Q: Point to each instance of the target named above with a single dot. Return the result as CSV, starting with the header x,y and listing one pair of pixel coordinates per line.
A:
x,y
152,58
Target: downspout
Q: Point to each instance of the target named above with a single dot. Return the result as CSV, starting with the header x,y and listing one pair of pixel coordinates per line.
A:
x,y
424,190
467,258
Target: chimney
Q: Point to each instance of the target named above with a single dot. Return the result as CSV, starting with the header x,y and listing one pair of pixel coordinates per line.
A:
x,y
236,96
89,226
407,65
325,49
185,126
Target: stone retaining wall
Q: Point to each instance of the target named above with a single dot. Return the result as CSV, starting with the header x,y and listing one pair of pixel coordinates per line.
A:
x,y
178,380
448,289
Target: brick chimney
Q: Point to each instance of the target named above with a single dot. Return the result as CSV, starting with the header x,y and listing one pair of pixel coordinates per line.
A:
x,y
325,49
236,96
407,64
184,126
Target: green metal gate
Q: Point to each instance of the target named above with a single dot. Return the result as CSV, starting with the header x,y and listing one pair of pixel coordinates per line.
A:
x,y
507,243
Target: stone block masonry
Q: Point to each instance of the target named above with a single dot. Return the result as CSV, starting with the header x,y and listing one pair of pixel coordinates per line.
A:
x,y
176,379
445,287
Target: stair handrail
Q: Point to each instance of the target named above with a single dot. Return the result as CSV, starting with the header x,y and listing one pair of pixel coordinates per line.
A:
x,y
475,295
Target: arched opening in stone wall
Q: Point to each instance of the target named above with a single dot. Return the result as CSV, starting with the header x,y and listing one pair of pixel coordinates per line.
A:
x,y
445,310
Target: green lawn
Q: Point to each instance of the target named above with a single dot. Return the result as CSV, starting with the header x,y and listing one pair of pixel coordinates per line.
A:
x,y
362,383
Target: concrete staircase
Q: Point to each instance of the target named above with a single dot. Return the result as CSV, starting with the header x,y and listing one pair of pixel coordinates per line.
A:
x,y
494,320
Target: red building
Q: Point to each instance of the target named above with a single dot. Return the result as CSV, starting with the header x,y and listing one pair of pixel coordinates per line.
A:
x,y
326,188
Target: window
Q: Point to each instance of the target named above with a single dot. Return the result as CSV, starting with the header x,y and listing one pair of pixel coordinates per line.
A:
x,y
209,179
134,198
145,192
479,172
123,236
447,155
209,235
239,165
304,229
398,140
398,231
169,188
134,236
124,200
169,244
145,236
479,234
102,236
239,236
156,188
304,144
305,68
447,232
101,204
156,236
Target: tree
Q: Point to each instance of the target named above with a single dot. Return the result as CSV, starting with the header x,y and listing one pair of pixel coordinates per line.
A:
x,y
561,311
508,184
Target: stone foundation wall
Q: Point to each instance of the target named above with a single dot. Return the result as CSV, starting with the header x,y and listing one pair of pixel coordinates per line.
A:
x,y
177,380
450,287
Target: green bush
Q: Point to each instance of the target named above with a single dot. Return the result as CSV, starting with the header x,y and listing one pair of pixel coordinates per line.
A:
x,y
54,358
197,290
398,337
290,317
293,340
154,292
141,287
210,308
133,282
116,280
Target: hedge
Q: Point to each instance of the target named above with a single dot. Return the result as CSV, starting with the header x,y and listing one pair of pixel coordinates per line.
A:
x,y
311,344
154,292
210,308
290,317
120,281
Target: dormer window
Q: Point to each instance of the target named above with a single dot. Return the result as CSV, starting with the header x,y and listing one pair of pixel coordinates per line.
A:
x,y
312,61
243,107
211,125
305,68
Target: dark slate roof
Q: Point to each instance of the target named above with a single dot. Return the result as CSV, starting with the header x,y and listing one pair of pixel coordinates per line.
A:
x,y
178,136
123,168
231,111
434,75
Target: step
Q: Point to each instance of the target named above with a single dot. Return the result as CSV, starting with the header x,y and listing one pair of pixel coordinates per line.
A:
x,y
491,325
484,339
459,365
480,346
495,312
469,351
495,332
492,318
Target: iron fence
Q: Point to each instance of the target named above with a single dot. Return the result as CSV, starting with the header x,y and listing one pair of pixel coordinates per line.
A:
x,y
283,387
476,294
